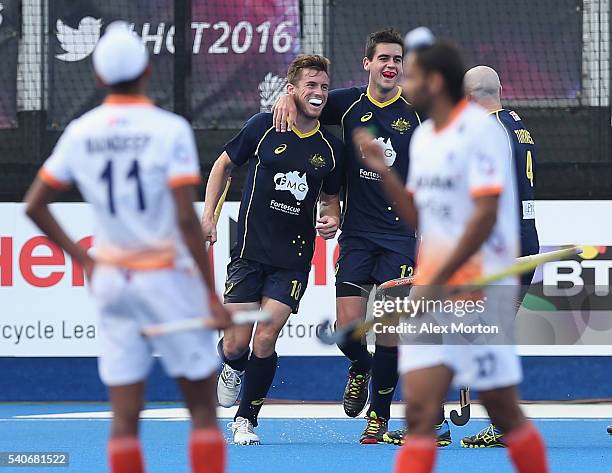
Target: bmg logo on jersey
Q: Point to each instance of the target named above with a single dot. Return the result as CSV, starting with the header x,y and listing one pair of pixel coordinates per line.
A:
x,y
387,146
292,182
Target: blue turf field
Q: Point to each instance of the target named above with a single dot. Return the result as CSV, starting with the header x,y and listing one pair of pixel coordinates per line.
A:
x,y
290,445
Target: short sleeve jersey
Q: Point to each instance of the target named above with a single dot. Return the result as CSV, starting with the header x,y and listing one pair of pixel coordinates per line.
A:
x,y
524,159
125,159
366,207
286,174
451,167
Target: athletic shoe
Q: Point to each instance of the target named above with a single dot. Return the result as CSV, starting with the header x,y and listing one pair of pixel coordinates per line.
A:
x,y
489,437
228,385
375,429
356,393
242,432
443,434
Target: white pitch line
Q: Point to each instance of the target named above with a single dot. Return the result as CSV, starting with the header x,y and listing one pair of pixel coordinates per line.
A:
x,y
335,411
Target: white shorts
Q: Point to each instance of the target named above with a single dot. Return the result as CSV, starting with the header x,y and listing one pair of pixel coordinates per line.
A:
x,y
478,365
127,302
481,367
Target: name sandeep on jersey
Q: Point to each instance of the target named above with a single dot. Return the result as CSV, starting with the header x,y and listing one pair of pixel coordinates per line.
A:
x,y
118,143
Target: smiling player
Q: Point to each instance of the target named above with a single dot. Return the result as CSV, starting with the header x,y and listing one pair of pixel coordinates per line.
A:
x,y
288,174
375,246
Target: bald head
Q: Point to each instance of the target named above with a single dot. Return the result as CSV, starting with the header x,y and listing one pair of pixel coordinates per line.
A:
x,y
482,85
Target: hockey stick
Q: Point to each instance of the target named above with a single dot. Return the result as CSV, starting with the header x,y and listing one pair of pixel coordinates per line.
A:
x,y
222,200
359,328
388,286
238,318
464,404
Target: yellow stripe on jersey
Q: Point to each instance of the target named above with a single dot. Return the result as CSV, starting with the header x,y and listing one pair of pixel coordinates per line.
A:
x,y
347,111
330,149
415,112
388,102
308,133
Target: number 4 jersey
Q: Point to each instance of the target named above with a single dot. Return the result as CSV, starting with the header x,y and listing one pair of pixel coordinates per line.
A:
x,y
125,156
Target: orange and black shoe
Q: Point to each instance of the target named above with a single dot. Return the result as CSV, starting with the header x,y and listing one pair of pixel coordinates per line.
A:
x,y
356,393
376,427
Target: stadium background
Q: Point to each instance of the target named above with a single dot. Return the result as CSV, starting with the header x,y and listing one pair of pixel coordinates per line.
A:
x,y
218,63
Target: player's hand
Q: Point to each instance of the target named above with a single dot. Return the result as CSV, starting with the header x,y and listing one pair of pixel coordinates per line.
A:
x,y
209,228
284,113
222,319
373,153
327,227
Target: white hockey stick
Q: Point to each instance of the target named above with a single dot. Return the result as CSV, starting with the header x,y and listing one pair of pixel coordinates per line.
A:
x,y
239,318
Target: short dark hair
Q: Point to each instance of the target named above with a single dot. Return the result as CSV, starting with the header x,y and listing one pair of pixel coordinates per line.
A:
x,y
306,61
383,36
125,87
444,57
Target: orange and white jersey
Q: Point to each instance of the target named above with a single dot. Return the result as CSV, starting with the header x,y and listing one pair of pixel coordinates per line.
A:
x,y
125,156
449,168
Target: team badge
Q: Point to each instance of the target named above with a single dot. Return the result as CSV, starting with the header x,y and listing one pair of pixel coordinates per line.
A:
x,y
280,149
317,161
402,125
366,117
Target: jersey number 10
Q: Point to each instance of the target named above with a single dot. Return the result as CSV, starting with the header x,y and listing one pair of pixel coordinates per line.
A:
x,y
134,173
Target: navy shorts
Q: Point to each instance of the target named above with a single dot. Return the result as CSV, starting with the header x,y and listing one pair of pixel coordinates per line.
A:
x,y
249,281
364,260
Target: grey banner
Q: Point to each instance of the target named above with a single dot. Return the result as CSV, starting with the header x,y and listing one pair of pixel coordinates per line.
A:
x,y
239,55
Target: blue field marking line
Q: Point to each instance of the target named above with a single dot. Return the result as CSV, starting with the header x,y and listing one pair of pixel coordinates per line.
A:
x,y
307,445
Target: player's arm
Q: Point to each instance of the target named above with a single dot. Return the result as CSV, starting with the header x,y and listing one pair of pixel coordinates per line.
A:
x,y
285,111
477,230
393,186
329,215
219,174
237,152
193,237
37,202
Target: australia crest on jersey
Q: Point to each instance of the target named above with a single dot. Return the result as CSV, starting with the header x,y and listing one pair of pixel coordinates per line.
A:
x,y
401,125
317,161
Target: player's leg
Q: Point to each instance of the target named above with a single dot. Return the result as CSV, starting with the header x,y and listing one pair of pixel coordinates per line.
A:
x,y
206,442
259,372
281,294
424,390
189,357
387,265
525,445
492,435
242,292
124,363
353,285
233,349
351,307
124,452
